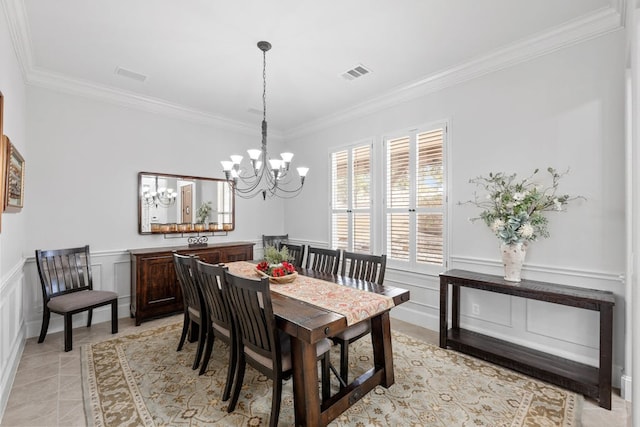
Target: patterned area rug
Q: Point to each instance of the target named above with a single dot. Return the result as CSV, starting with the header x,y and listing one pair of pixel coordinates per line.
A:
x,y
140,380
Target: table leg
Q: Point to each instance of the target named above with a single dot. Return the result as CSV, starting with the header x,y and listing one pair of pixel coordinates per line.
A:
x,y
306,398
444,303
606,358
382,349
455,307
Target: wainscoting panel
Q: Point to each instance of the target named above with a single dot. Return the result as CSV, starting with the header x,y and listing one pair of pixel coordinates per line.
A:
x,y
12,331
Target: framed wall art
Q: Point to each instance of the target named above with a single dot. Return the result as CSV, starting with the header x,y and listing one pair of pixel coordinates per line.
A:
x,y
14,189
2,155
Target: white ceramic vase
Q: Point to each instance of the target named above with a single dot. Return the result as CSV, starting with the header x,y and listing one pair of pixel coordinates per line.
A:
x,y
512,259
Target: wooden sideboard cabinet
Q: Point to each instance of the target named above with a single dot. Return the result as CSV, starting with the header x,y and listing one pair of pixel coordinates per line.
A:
x,y
155,291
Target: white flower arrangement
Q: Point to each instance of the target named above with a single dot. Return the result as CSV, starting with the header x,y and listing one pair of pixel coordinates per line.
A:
x,y
513,209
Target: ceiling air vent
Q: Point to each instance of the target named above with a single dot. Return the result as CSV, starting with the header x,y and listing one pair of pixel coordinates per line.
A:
x,y
130,74
355,72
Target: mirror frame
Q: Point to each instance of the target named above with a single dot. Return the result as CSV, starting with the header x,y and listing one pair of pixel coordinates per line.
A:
x,y
174,230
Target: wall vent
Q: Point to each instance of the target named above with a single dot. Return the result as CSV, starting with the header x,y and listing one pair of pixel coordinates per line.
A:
x,y
130,74
356,72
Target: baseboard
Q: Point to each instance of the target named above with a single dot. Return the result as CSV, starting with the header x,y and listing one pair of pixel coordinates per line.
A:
x,y
625,387
9,371
415,317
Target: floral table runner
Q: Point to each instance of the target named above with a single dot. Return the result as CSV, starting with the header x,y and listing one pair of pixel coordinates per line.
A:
x,y
354,304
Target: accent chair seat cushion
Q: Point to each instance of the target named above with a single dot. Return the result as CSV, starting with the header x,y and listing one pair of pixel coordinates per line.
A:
x,y
79,300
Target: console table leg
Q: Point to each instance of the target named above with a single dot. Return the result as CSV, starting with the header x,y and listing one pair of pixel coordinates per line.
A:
x,y
606,358
444,297
455,307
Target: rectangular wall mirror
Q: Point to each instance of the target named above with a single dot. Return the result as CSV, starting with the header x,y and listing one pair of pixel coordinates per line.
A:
x,y
169,204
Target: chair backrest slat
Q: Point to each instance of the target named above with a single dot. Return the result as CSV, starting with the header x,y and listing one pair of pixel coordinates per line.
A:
x,y
192,296
274,240
252,308
64,270
364,266
210,278
323,260
297,252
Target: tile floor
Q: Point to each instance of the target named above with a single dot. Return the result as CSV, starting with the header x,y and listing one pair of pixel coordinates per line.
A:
x,y
47,390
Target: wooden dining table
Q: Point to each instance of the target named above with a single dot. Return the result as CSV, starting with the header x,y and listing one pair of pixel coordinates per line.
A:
x,y
308,323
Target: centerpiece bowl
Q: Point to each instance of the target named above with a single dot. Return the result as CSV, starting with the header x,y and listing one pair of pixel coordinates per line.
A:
x,y
276,266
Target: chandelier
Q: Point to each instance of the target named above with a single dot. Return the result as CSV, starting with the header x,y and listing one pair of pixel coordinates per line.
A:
x,y
159,196
264,175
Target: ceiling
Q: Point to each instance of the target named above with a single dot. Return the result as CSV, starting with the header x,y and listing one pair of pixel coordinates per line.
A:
x,y
201,57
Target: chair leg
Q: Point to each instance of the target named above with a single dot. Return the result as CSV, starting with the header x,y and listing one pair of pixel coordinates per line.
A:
x,y
344,361
237,385
276,398
46,314
194,331
68,327
89,317
202,338
114,317
233,361
207,352
326,378
185,328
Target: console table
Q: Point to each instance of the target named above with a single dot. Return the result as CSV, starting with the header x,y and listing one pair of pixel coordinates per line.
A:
x,y
590,381
155,290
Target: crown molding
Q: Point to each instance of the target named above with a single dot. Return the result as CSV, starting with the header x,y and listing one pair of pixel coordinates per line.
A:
x,y
584,28
587,27
19,31
58,82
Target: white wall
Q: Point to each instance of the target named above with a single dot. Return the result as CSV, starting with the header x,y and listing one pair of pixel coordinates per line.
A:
x,y
565,109
12,237
83,183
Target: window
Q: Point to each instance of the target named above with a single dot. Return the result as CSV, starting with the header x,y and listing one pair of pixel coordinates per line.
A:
x,y
351,198
415,198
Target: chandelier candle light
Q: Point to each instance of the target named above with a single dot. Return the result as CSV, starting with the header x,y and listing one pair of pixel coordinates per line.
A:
x,y
514,209
265,176
160,196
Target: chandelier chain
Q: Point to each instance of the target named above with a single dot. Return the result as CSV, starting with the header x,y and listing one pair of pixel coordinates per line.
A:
x,y
264,85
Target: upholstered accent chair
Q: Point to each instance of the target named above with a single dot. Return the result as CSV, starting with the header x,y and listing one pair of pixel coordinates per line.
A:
x,y
67,289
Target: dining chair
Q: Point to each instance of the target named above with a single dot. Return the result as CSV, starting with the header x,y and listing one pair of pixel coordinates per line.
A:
x,y
363,267
67,289
261,343
274,240
323,260
297,252
210,280
195,310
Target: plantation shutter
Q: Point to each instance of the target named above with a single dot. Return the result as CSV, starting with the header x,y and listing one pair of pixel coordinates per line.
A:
x,y
415,201
351,198
430,184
